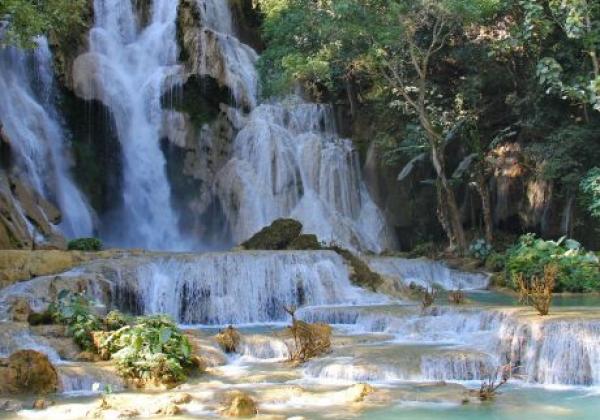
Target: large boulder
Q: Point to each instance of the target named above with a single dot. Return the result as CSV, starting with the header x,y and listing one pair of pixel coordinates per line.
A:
x,y
27,372
278,236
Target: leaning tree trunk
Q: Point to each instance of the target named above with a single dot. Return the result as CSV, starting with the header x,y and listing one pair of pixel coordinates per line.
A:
x,y
454,229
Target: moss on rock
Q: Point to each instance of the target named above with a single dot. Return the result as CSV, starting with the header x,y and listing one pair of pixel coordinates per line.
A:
x,y
278,236
305,242
360,274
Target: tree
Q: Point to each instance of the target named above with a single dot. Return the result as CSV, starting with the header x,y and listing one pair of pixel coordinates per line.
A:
x,y
26,19
426,27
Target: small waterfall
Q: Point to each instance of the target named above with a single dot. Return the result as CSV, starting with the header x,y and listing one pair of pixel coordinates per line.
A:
x,y
554,351
234,288
289,162
87,379
427,273
31,122
15,337
128,68
260,347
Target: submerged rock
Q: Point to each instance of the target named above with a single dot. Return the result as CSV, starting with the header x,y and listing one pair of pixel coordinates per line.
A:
x,y
278,236
27,372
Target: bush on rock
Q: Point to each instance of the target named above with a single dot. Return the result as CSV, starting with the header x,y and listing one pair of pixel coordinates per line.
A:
x,y
85,244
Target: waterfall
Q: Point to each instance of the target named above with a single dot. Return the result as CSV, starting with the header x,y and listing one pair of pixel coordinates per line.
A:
x,y
289,162
427,273
234,288
128,68
32,124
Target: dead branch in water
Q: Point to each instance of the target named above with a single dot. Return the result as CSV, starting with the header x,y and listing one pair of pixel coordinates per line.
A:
x,y
310,340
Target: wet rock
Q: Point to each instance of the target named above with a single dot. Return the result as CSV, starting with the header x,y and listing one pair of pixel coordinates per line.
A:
x,y
358,392
23,265
14,233
278,236
10,405
40,404
239,404
170,409
183,398
27,372
229,339
128,413
19,310
87,356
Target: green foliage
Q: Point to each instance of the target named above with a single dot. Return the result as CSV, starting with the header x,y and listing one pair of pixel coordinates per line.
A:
x,y
28,19
578,270
115,320
153,349
75,311
85,244
590,186
480,249
495,262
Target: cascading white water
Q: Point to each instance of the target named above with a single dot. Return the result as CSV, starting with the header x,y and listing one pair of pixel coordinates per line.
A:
x,y
289,162
223,56
32,124
129,68
427,273
235,288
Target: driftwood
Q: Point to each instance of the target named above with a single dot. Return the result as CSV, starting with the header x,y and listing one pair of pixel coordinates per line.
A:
x,y
488,388
310,340
456,297
428,297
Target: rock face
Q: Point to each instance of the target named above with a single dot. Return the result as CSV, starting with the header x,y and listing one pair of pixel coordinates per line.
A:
x,y
19,206
23,265
27,372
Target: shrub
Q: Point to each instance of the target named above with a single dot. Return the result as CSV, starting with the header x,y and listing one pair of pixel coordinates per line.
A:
x,y
153,349
480,249
495,262
85,244
538,291
309,340
577,270
74,310
115,320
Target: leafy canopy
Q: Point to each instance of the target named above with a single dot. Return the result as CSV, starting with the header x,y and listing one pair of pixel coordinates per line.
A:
x,y
26,19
